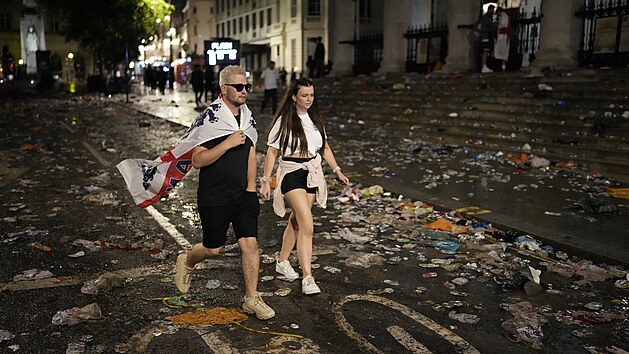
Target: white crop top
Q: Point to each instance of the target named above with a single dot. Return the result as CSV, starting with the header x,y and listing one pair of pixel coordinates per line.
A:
x,y
312,136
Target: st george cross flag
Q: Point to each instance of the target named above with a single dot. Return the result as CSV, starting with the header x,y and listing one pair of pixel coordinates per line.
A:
x,y
149,180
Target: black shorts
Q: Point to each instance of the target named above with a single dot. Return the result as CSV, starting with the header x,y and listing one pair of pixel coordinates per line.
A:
x,y
487,44
296,179
241,213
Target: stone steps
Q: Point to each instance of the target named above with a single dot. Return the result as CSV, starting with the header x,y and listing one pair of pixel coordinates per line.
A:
x,y
580,119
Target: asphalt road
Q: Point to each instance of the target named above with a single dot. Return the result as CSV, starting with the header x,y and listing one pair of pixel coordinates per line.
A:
x,y
60,189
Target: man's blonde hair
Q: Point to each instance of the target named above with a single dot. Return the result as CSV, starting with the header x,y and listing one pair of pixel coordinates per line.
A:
x,y
225,76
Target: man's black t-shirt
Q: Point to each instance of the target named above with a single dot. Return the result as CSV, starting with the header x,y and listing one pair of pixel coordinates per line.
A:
x,y
226,178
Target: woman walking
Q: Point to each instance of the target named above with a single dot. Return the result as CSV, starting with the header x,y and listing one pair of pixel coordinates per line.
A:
x,y
297,136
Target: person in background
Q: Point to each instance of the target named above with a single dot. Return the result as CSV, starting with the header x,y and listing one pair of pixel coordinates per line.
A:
x,y
319,57
487,30
501,49
297,136
227,187
269,75
196,79
208,76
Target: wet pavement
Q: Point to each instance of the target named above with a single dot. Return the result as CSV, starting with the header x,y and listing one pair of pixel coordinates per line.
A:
x,y
439,280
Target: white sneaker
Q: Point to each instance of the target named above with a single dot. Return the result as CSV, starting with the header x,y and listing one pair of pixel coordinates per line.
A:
x,y
286,270
308,286
486,70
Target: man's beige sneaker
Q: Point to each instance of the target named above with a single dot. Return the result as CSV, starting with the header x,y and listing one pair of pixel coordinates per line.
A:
x,y
256,305
183,274
308,286
286,270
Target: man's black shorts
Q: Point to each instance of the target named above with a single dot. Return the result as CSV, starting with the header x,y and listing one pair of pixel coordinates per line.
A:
x,y
487,45
241,213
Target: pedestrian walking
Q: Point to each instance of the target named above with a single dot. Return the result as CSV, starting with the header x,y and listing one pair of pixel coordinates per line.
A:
x,y
487,30
501,49
297,136
269,75
196,79
208,76
227,188
319,57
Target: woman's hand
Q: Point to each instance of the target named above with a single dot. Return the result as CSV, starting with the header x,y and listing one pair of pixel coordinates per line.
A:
x,y
265,190
341,177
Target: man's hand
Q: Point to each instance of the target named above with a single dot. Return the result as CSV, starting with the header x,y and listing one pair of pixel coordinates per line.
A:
x,y
235,139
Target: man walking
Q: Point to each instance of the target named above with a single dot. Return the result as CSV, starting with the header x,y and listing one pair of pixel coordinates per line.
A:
x,y
269,75
487,29
227,187
196,79
319,57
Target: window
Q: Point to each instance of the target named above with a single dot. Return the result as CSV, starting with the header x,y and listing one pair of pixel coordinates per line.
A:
x,y
269,17
314,7
195,30
211,10
240,24
253,21
364,8
247,23
223,29
234,25
229,28
293,8
218,28
5,20
261,19
194,10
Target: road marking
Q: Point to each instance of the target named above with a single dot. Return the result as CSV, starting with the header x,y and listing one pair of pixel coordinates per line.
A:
x,y
342,322
168,227
407,340
67,127
473,210
71,280
96,154
218,344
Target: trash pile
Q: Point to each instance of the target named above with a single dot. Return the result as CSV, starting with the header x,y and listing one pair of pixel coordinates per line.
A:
x,y
375,228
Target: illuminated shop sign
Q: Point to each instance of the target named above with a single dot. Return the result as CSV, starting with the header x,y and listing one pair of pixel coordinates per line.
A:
x,y
223,51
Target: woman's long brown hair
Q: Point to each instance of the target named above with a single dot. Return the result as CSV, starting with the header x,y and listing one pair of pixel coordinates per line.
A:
x,y
290,123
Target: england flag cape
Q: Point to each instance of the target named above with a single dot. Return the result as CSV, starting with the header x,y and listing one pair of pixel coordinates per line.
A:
x,y
149,180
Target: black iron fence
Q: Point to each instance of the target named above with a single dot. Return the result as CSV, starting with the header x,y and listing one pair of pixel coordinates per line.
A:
x,y
426,45
605,40
525,34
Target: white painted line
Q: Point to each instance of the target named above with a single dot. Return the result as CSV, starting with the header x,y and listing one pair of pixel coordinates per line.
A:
x,y
218,344
404,338
67,127
168,227
78,279
337,311
96,154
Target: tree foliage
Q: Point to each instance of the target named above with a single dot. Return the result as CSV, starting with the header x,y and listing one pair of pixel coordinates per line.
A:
x,y
109,27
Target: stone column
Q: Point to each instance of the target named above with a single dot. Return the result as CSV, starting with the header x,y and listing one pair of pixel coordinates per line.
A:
x,y
341,29
560,34
397,19
461,40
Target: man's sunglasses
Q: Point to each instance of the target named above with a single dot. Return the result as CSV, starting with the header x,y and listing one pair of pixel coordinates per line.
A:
x,y
239,87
